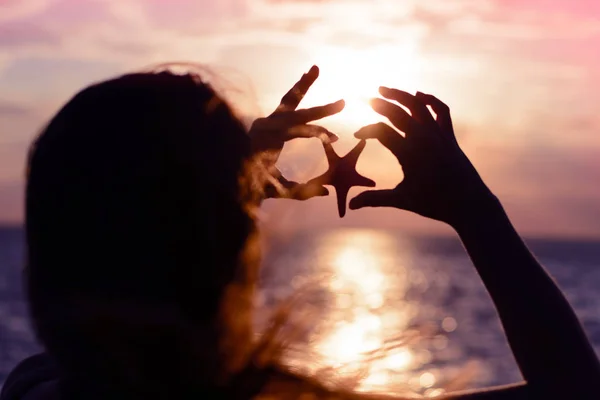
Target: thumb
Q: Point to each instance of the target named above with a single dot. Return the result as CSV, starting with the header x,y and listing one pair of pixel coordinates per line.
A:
x,y
373,198
310,131
305,191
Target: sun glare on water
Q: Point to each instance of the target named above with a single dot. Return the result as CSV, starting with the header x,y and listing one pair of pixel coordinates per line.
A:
x,y
365,328
355,76
360,284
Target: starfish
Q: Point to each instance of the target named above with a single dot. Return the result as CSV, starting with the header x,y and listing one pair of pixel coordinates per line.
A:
x,y
342,174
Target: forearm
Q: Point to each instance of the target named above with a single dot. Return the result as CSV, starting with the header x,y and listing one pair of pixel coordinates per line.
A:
x,y
518,391
544,333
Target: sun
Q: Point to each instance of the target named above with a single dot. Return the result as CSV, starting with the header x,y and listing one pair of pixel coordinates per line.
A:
x,y
356,74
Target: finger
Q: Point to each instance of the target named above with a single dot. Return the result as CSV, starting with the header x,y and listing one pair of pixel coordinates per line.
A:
x,y
274,186
294,96
397,116
417,108
310,131
307,115
442,112
386,135
274,190
373,198
281,187
319,180
303,191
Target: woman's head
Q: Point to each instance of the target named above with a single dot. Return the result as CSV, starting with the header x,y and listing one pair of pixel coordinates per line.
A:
x,y
135,217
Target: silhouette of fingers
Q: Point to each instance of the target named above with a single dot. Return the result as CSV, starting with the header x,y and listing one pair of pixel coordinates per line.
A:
x,y
307,115
284,188
275,187
318,181
305,191
270,134
310,131
397,116
442,112
385,134
373,198
294,96
417,108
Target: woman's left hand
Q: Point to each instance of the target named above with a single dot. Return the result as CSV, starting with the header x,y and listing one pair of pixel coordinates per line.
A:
x,y
269,134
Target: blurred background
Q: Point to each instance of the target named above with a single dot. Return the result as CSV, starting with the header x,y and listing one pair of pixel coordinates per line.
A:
x,y
521,79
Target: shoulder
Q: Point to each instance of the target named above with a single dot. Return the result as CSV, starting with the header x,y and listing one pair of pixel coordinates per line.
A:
x,y
33,378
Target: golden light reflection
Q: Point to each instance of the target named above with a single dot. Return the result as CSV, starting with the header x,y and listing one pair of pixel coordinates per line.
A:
x,y
400,360
427,379
360,284
367,328
359,268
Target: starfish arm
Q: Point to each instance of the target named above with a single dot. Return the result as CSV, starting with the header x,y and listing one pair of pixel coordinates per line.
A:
x,y
353,155
364,181
332,157
342,197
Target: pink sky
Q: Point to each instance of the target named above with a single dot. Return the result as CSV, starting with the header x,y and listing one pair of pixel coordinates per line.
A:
x,y
521,76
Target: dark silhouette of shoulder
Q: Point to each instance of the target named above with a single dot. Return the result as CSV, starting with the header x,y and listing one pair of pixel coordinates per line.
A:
x,y
35,378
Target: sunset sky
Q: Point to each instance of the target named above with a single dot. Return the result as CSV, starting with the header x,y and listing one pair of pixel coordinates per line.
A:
x,y
522,78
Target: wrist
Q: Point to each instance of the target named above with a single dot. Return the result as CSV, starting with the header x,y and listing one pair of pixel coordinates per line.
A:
x,y
481,213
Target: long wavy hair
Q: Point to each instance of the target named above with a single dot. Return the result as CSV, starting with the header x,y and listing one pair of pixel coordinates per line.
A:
x,y
143,254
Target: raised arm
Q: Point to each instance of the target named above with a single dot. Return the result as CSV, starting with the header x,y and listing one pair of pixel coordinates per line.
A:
x,y
547,340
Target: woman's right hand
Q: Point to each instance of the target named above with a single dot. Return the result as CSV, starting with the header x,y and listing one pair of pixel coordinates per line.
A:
x,y
439,180
268,136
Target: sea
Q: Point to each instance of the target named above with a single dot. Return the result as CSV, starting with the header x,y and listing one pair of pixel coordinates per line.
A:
x,y
389,309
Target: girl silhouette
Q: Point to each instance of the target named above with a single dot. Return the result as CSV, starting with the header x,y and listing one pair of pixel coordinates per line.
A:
x,y
142,246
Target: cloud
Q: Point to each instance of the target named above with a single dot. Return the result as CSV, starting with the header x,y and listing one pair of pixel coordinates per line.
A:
x,y
10,109
546,188
15,9
517,74
193,16
15,34
515,28
299,1
581,8
51,79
